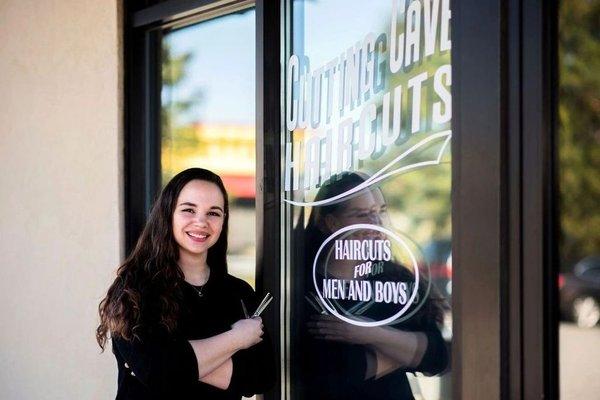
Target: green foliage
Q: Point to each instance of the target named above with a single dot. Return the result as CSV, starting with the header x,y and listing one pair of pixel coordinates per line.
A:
x,y
175,137
173,69
579,129
420,198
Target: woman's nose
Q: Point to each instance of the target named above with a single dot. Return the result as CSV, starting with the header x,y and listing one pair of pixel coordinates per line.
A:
x,y
202,219
375,218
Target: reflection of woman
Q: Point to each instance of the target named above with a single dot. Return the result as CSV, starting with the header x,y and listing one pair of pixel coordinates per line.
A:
x,y
174,314
345,361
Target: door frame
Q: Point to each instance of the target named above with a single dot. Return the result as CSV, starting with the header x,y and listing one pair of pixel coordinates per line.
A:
x,y
505,305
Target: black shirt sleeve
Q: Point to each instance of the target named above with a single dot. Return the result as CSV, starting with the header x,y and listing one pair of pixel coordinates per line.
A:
x,y
253,370
159,361
435,359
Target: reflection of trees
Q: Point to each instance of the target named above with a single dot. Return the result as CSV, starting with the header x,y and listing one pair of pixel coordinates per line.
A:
x,y
423,195
175,137
579,129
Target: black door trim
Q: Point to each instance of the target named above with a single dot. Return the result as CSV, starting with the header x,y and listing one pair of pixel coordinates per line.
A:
x,y
477,185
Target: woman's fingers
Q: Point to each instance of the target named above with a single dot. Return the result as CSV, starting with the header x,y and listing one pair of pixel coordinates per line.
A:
x,y
326,328
335,338
324,331
327,324
248,331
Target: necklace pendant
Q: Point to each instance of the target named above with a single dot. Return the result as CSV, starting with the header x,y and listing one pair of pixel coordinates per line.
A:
x,y
198,289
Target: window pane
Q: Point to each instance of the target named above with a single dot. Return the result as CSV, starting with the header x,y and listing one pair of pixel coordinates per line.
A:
x,y
367,171
208,118
579,182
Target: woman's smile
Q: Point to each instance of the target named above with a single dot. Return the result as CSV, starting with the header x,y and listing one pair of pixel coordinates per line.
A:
x,y
199,237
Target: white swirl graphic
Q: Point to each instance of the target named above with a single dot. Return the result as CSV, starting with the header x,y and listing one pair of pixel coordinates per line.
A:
x,y
380,175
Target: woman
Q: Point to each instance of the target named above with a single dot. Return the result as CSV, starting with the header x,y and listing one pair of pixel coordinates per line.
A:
x,y
174,314
346,361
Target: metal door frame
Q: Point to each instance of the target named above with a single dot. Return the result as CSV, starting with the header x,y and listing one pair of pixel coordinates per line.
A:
x,y
503,198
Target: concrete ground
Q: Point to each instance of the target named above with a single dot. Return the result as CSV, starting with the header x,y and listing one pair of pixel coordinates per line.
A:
x,y
579,368
579,362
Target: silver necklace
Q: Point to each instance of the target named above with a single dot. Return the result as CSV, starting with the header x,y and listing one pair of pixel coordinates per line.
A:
x,y
198,290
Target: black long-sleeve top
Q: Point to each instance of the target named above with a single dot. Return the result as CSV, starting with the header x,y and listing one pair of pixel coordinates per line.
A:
x,y
161,365
336,370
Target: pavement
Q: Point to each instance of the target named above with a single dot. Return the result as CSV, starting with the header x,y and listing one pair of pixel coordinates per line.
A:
x,y
579,368
579,362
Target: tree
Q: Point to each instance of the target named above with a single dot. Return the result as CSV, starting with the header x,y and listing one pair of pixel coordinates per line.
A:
x,y
579,129
174,135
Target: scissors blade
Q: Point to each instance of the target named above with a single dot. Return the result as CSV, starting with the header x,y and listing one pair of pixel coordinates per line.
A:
x,y
244,309
263,307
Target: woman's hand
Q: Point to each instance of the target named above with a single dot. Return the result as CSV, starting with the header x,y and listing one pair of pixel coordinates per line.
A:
x,y
248,332
403,348
328,327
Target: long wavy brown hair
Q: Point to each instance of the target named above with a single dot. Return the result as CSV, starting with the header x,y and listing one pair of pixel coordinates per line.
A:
x,y
147,288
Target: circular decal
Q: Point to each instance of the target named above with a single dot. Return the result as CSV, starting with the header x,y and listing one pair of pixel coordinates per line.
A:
x,y
364,252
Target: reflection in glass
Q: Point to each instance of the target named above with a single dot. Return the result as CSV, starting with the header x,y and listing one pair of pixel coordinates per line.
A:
x,y
579,184
368,125
351,353
208,117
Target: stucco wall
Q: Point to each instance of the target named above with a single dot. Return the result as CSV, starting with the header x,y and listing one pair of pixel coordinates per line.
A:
x,y
60,194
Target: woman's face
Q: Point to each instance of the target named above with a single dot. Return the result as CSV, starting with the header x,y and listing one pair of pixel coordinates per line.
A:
x,y
198,217
368,208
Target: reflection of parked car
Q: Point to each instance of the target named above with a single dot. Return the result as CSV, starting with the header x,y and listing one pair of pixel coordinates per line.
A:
x,y
580,292
437,255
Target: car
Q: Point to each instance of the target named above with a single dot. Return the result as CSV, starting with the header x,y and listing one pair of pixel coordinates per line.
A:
x,y
438,256
580,292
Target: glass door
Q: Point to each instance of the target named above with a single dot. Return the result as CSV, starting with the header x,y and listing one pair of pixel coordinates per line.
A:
x,y
389,134
578,159
366,191
208,117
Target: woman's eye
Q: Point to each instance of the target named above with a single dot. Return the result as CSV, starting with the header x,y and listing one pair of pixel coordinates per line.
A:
x,y
189,210
214,214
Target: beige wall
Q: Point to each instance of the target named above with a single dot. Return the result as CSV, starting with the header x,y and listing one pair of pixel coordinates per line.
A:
x,y
60,194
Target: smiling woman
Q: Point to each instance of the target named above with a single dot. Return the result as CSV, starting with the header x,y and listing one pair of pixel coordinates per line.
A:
x,y
198,219
174,314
